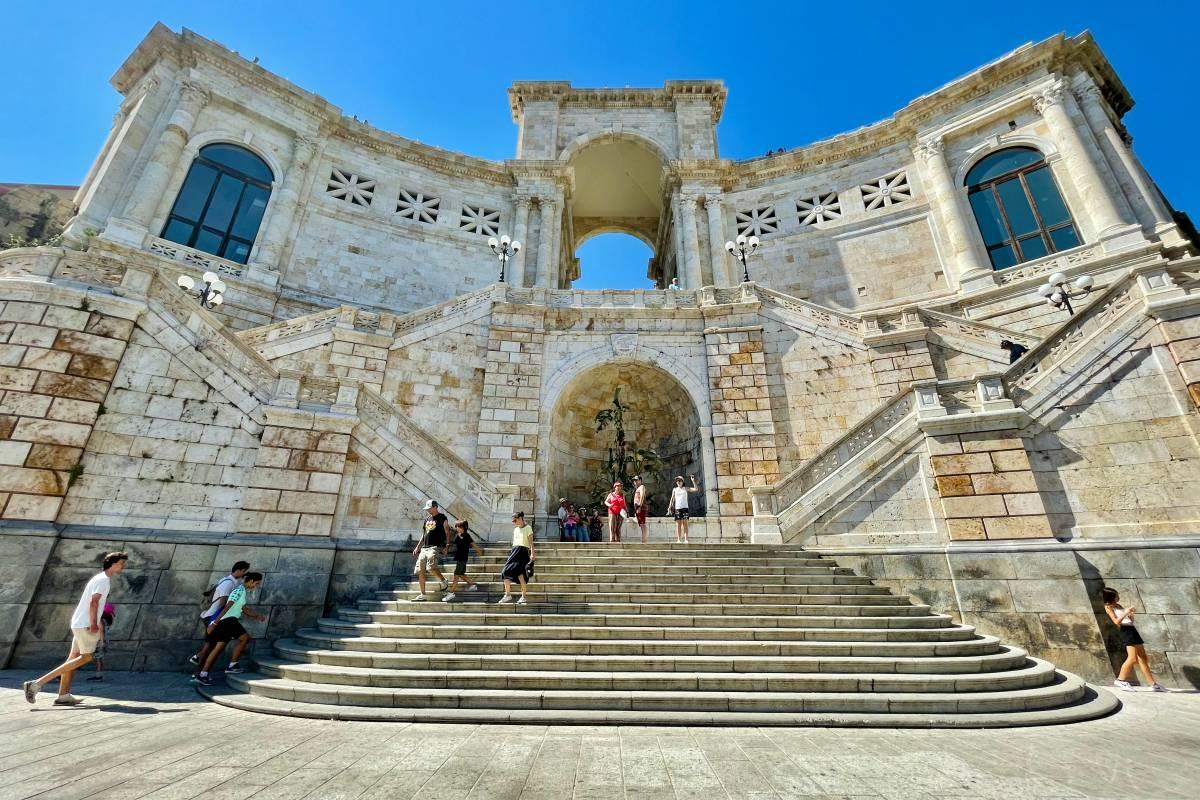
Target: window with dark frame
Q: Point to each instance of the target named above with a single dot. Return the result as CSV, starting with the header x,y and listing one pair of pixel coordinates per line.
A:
x,y
221,204
1018,207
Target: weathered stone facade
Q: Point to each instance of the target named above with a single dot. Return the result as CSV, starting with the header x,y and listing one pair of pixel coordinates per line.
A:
x,y
852,397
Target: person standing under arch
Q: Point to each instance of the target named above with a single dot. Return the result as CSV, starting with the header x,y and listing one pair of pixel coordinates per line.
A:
x,y
639,507
679,507
615,502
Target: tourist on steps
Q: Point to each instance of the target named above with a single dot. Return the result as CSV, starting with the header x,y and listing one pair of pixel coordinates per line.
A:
x,y
679,507
595,526
519,559
615,502
227,627
463,544
639,507
428,552
85,633
562,519
1131,640
219,593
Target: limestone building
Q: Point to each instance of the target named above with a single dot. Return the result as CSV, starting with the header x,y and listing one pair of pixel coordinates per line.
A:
x,y
852,397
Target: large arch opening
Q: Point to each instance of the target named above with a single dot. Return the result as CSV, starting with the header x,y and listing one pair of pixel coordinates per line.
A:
x,y
619,187
660,415
613,260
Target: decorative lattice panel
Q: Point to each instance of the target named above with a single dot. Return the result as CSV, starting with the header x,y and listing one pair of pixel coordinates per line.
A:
x,y
478,219
887,191
822,208
351,187
757,221
418,206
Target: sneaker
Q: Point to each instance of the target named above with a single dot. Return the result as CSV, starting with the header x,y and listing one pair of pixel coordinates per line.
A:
x,y
418,598
474,587
204,680
1158,687
521,602
506,599
445,585
95,677
195,678
234,669
194,660
448,597
67,700
31,689
1126,685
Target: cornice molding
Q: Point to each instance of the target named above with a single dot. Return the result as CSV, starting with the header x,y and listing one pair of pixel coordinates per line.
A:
x,y
564,94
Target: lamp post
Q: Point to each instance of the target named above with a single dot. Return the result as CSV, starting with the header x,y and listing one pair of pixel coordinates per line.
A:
x,y
1059,295
504,248
742,251
213,293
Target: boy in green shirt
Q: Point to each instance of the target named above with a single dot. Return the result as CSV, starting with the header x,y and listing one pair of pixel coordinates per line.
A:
x,y
227,626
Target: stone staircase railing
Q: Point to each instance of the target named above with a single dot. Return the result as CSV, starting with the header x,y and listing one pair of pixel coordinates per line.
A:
x,y
414,457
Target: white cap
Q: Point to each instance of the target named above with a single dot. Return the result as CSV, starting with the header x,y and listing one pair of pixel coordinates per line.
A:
x,y
430,504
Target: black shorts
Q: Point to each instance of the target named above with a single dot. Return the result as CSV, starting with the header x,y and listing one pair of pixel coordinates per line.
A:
x,y
681,514
460,568
227,629
1130,636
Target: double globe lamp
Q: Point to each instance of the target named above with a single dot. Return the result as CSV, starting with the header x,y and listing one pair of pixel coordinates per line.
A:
x,y
213,293
1059,294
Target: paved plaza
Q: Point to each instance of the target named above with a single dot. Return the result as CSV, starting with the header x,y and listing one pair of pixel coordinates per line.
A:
x,y
150,736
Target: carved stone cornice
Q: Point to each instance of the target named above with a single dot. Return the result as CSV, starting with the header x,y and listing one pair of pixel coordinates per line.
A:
x,y
436,159
1052,95
564,94
929,148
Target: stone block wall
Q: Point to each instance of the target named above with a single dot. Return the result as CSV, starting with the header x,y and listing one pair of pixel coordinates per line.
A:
x,y
893,505
987,486
1183,340
58,363
352,356
897,365
160,594
23,554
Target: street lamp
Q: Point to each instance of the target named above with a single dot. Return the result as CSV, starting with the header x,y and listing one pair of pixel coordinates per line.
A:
x,y
1059,295
504,249
213,293
742,251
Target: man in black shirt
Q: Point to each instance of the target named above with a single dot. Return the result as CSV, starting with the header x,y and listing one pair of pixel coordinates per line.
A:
x,y
1015,351
463,543
433,544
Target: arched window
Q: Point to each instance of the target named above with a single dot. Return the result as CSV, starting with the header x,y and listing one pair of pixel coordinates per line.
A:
x,y
1019,210
221,204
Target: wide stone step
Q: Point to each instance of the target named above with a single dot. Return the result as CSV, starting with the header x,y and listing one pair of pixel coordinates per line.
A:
x,y
310,637
1090,704
584,633
850,605
669,571
434,613
1003,658
556,586
1060,690
780,579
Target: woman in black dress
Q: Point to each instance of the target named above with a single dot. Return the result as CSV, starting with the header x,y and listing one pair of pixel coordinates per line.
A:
x,y
519,559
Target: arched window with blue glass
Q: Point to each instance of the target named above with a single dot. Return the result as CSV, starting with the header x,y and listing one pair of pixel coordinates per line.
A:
x,y
1018,207
222,201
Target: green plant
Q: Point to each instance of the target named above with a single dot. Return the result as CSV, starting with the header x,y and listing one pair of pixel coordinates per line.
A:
x,y
74,473
622,460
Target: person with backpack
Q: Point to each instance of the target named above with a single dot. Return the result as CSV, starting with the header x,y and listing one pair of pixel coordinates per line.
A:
x,y
219,594
227,627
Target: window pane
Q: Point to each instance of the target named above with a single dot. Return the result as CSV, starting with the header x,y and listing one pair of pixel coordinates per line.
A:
x,y
987,215
1046,197
178,231
1064,238
1000,163
239,159
1033,247
208,242
1002,257
223,203
237,251
250,212
194,193
1016,207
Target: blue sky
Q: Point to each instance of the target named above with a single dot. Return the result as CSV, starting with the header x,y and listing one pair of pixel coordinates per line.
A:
x,y
438,72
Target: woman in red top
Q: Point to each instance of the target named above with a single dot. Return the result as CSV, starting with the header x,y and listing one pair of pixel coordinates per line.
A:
x,y
616,505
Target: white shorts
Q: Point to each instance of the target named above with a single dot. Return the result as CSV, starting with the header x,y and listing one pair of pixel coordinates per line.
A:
x,y
428,559
84,640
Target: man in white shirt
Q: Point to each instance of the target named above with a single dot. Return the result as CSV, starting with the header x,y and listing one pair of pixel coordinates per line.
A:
x,y
562,518
85,631
220,594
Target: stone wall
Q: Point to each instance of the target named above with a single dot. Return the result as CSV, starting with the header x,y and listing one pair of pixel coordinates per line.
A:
x,y
23,554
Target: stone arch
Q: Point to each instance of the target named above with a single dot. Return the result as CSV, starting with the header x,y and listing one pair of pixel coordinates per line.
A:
x,y
623,350
613,134
995,144
641,235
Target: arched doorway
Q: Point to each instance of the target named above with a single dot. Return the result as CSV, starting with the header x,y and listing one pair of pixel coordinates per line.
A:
x,y
620,186
660,415
613,260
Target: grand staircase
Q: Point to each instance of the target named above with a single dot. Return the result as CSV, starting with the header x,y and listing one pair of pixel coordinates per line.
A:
x,y
660,634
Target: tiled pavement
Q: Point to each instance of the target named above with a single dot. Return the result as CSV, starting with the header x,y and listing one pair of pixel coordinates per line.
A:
x,y
150,736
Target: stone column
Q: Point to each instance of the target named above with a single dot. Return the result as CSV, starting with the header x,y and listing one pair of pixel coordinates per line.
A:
x,y
722,276
151,188
1080,168
516,267
1152,212
283,211
546,272
708,451
691,242
944,194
